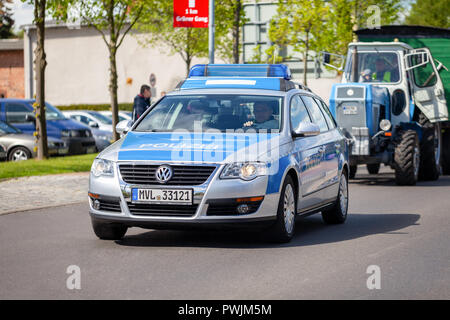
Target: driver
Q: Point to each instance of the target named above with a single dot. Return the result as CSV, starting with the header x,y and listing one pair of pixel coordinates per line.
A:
x,y
263,116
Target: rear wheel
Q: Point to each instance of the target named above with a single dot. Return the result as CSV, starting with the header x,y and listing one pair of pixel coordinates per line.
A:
x,y
108,231
352,173
446,152
338,212
373,168
284,228
407,158
430,150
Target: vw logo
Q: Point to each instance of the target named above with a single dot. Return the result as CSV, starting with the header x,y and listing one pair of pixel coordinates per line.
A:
x,y
163,174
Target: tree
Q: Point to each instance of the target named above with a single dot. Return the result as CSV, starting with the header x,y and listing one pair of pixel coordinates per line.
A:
x,y
113,19
430,13
157,28
6,22
300,24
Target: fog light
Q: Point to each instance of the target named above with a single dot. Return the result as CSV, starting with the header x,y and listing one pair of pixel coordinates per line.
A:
x,y
385,125
96,205
243,209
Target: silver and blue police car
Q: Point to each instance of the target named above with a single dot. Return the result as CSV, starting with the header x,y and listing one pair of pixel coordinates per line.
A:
x,y
233,145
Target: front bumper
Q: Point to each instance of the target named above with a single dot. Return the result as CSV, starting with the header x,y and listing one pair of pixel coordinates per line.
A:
x,y
213,190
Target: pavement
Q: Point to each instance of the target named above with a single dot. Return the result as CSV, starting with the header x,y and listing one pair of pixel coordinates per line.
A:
x,y
404,231
37,192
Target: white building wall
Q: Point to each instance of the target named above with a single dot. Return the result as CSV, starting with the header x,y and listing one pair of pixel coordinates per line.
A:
x,y
78,67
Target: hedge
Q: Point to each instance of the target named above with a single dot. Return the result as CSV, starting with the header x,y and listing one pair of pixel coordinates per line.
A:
x,y
96,107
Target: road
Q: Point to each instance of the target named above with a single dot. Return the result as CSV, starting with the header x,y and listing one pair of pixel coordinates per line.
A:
x,y
405,231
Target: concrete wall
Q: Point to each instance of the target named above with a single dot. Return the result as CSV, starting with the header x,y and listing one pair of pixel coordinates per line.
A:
x,y
12,73
78,67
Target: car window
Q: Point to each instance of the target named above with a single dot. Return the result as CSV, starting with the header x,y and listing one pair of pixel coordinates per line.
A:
x,y
326,112
6,128
214,111
298,113
316,115
16,112
80,118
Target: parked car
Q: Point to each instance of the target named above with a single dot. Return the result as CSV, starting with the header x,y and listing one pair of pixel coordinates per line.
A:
x,y
92,119
102,138
198,158
19,146
19,113
123,115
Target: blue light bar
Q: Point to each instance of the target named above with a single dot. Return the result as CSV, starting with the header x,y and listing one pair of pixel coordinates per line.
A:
x,y
241,70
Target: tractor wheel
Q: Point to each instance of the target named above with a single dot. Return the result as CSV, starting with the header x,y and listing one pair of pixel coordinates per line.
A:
x,y
373,168
430,150
446,152
407,158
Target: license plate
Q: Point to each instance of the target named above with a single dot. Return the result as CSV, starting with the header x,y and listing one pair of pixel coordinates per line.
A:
x,y
90,150
350,110
178,196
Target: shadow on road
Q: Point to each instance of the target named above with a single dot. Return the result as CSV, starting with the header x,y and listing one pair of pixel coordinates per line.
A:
x,y
310,231
388,179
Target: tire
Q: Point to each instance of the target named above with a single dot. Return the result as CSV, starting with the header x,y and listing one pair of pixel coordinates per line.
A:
x,y
430,150
352,173
338,212
284,228
373,168
108,231
446,152
19,154
407,158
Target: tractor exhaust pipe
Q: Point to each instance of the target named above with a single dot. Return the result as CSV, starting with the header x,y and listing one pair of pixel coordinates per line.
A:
x,y
355,75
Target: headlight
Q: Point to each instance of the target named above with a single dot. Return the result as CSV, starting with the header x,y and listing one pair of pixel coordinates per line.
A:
x,y
385,125
102,167
109,138
65,133
245,171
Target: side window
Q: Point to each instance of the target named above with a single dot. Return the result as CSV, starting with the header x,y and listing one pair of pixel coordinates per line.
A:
x,y
326,112
298,112
316,115
424,76
16,112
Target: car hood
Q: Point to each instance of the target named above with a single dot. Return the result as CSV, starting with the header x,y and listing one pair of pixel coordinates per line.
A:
x,y
193,147
66,124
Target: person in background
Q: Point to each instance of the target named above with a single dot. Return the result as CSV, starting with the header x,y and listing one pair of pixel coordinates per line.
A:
x,y
141,101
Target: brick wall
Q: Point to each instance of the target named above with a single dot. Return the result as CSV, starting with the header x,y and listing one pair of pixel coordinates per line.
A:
x,y
12,83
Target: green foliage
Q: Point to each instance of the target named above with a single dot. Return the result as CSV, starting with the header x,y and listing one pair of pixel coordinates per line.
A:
x,y
81,163
430,13
6,21
96,107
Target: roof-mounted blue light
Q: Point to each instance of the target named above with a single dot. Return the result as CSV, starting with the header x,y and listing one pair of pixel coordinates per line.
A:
x,y
241,70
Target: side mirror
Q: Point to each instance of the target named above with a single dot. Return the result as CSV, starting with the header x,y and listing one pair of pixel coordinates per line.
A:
x,y
93,124
124,126
326,58
306,129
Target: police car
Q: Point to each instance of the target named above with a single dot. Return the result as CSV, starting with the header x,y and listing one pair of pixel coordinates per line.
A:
x,y
232,145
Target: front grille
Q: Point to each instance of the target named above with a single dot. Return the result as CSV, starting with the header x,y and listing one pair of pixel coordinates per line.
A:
x,y
109,205
162,209
356,119
88,143
182,175
229,209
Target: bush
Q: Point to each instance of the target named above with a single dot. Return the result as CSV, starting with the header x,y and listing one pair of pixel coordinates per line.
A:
x,y
96,107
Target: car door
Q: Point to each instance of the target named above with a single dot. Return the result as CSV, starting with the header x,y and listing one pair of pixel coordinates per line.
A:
x,y
324,142
307,151
427,87
16,113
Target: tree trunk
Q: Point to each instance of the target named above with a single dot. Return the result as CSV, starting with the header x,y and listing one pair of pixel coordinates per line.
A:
x,y
113,89
236,28
39,64
305,59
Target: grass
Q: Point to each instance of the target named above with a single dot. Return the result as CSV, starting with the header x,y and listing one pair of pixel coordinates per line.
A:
x,y
52,165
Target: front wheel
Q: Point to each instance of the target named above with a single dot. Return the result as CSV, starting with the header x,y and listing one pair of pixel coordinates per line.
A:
x,y
284,228
338,212
19,154
407,158
108,231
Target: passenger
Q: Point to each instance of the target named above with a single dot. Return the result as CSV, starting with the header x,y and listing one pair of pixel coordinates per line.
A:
x,y
366,75
263,117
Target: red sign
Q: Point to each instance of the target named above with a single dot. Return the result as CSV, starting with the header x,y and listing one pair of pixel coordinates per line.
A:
x,y
190,13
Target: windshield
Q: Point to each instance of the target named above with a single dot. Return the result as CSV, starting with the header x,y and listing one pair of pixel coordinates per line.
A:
x,y
51,113
220,112
100,117
376,67
6,128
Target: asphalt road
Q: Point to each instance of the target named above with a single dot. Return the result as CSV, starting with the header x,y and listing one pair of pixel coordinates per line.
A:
x,y
405,231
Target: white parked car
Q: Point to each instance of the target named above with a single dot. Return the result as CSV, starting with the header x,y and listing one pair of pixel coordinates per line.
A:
x,y
93,119
123,115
